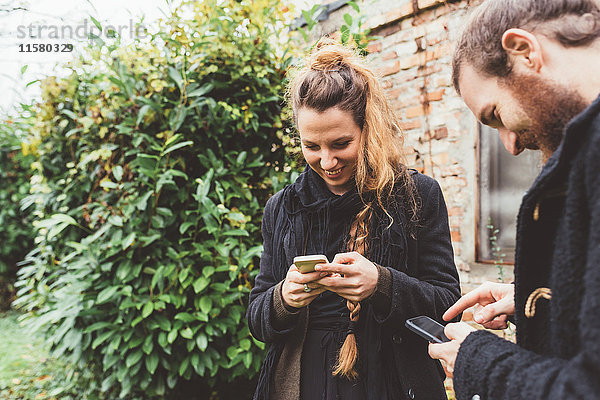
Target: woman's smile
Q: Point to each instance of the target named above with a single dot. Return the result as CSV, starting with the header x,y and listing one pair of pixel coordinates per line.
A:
x,y
333,173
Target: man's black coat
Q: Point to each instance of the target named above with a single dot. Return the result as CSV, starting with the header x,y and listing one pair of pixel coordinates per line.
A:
x,y
558,247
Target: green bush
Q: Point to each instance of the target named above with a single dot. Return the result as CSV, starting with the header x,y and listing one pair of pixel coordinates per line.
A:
x,y
16,234
153,163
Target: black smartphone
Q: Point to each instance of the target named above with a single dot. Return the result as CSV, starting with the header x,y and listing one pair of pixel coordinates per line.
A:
x,y
427,328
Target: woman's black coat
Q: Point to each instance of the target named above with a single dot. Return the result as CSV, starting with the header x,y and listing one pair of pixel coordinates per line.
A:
x,y
424,281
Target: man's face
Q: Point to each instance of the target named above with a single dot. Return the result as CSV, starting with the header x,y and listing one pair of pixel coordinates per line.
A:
x,y
528,111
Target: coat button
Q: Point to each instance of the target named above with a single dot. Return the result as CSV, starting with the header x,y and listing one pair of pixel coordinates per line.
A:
x,y
411,394
397,338
476,397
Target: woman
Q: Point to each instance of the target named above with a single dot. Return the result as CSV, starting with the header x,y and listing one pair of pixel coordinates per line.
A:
x,y
338,332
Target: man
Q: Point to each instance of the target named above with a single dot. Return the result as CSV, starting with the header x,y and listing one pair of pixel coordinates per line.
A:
x,y
531,69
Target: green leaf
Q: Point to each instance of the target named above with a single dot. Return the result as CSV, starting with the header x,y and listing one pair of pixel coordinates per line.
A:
x,y
345,30
128,241
99,42
200,284
147,310
108,184
201,341
162,340
115,220
172,336
95,21
187,333
151,362
247,360
245,344
134,358
205,304
185,317
143,111
202,90
148,345
177,146
102,338
118,172
236,232
136,321
208,271
348,19
106,294
232,351
184,366
196,363
97,325
175,75
185,226
23,69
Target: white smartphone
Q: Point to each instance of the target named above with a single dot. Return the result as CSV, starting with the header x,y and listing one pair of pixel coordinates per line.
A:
x,y
307,263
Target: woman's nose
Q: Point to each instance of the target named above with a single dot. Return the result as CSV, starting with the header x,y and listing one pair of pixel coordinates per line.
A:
x,y
328,160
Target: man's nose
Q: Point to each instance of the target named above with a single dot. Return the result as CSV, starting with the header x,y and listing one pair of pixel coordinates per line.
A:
x,y
510,141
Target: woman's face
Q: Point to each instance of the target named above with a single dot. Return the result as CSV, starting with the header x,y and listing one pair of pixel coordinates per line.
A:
x,y
330,145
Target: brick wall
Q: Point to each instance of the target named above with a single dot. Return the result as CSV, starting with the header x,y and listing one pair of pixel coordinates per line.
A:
x,y
413,58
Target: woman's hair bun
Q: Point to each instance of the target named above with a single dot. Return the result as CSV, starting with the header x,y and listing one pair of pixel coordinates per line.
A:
x,y
329,56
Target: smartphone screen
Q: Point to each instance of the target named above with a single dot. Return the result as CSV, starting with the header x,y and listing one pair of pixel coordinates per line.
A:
x,y
428,329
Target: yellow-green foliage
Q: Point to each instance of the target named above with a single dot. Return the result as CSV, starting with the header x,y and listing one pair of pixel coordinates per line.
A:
x,y
152,165
16,234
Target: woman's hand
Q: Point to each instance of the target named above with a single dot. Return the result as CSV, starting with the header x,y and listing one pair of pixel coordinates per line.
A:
x,y
293,289
358,276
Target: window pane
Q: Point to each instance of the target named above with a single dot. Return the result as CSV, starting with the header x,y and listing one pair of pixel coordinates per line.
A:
x,y
503,179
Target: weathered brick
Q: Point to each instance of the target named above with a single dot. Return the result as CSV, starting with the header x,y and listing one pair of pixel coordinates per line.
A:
x,y
395,93
443,50
389,56
414,112
389,30
455,236
414,124
441,158
435,96
374,47
440,133
453,170
389,69
387,84
443,81
455,211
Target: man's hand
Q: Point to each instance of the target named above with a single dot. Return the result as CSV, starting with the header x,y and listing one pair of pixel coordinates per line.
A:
x,y
493,302
358,276
447,352
293,289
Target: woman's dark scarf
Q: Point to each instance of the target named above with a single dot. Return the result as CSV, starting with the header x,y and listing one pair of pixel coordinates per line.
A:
x,y
307,219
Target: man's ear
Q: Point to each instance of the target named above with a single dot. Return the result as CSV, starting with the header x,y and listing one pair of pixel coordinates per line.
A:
x,y
523,48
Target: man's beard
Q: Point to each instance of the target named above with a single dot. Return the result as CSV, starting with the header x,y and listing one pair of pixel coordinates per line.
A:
x,y
549,106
